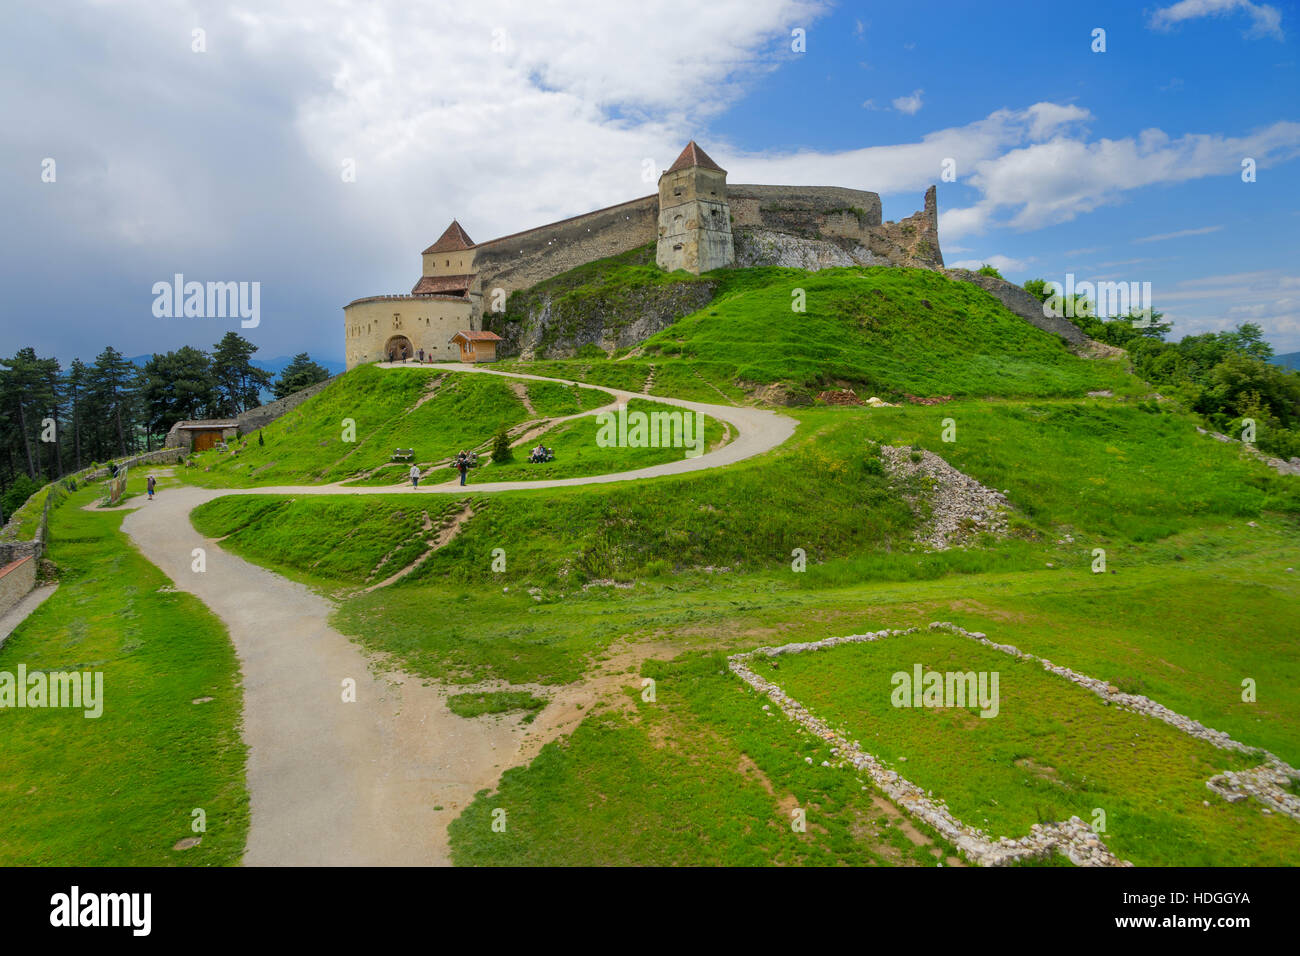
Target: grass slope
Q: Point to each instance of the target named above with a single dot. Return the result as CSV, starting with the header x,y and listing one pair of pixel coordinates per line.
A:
x,y
578,453
120,790
314,444
695,778
881,330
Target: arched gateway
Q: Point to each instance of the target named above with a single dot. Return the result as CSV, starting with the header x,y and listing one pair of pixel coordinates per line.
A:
x,y
398,348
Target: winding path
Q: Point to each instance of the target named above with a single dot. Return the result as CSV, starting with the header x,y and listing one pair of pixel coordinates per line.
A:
x,y
375,781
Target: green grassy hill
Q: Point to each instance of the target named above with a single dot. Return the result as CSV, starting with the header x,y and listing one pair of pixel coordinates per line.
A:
x,y
350,430
664,578
882,331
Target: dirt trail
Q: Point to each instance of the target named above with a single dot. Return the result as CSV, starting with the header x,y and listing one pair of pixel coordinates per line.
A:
x,y
357,783
446,534
521,392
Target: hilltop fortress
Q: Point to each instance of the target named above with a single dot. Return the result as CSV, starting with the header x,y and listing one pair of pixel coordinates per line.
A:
x,y
697,222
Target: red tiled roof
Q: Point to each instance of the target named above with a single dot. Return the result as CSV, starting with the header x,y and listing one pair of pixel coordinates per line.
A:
x,y
442,285
469,336
455,239
692,155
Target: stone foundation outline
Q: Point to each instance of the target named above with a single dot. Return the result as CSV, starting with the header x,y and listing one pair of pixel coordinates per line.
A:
x,y
1071,838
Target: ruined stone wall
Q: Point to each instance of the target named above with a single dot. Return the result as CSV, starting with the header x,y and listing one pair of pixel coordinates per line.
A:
x,y
849,218
526,258
913,241
813,212
1027,306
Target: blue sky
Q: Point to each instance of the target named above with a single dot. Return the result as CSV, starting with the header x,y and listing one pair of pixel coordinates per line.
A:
x,y
224,163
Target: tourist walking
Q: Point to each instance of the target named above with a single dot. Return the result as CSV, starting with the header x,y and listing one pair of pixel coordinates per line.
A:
x,y
150,483
462,465
415,476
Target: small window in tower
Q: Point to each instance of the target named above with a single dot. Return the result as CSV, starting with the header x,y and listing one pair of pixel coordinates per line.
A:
x,y
677,191
676,247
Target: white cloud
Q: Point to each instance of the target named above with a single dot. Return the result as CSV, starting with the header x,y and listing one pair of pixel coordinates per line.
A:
x,y
910,105
907,167
1204,230
1051,182
1221,302
1003,264
1265,20
226,164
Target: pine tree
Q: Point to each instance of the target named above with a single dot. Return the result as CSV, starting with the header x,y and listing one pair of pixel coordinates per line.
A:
x,y
239,383
112,380
74,387
179,386
299,374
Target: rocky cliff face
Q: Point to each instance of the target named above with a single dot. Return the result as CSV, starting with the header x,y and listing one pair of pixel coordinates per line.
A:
x,y
763,247
548,325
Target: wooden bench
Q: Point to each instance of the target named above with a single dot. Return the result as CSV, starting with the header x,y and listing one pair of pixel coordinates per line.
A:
x,y
404,454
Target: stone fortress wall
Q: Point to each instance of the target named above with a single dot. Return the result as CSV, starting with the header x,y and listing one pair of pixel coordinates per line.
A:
x,y
526,258
693,219
262,415
819,212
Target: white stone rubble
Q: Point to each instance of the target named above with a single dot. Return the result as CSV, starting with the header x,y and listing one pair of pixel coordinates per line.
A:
x,y
959,505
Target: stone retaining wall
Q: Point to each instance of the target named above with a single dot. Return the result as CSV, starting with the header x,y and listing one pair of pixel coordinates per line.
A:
x,y
161,456
17,577
13,550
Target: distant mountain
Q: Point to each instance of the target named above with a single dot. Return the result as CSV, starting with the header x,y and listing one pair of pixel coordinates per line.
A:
x,y
1290,360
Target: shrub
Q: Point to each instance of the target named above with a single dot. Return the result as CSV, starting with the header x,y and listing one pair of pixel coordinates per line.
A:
x,y
501,452
17,494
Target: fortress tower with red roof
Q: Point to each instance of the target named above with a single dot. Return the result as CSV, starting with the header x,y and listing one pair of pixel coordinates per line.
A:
x,y
694,217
